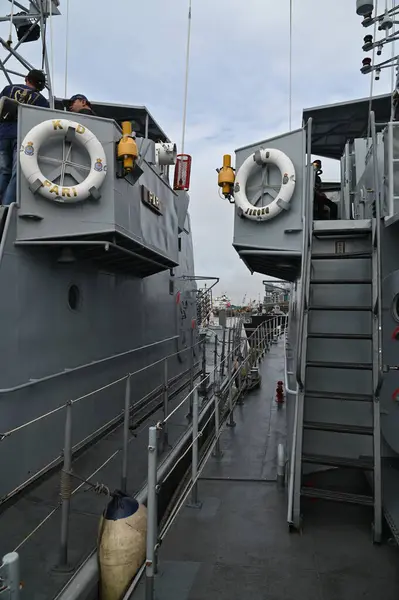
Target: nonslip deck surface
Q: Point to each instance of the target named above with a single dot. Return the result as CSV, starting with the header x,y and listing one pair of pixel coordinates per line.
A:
x,y
237,546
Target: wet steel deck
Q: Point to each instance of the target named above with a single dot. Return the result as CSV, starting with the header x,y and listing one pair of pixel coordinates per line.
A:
x,y
238,546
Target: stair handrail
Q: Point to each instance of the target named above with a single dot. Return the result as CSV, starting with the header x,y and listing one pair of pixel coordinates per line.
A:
x,y
306,225
10,214
378,383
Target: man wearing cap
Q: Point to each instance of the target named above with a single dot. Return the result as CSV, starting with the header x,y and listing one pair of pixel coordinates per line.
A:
x,y
28,93
80,104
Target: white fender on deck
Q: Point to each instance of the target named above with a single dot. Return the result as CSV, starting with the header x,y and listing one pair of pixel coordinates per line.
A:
x,y
61,128
283,198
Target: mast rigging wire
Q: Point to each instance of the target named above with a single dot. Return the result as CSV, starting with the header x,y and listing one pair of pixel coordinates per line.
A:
x,y
51,47
394,67
372,79
66,51
186,79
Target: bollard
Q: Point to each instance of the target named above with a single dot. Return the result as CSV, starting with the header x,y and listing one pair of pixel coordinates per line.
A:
x,y
126,419
194,461
152,513
164,431
280,466
10,576
66,489
217,453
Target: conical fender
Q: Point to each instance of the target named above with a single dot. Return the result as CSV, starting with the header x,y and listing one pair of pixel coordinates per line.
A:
x,y
121,544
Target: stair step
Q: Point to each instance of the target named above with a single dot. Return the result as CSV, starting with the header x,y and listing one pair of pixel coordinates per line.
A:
x,y
341,336
345,227
327,256
341,281
349,397
336,461
340,365
338,428
334,495
341,308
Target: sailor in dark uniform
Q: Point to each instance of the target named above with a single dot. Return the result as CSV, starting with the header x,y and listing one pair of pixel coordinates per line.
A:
x,y
323,207
80,104
28,93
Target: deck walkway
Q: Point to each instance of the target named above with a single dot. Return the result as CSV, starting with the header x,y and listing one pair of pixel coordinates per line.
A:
x,y
237,546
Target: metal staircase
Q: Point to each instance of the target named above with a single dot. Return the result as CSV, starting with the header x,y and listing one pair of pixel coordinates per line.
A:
x,y
337,421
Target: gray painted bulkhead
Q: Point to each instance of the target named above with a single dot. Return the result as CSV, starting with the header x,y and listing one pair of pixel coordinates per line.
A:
x,y
356,200
119,210
51,353
279,239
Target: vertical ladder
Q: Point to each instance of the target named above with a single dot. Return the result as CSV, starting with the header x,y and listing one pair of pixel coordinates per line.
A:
x,y
338,413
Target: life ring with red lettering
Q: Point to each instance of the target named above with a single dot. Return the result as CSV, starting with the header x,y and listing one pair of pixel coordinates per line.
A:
x,y
60,128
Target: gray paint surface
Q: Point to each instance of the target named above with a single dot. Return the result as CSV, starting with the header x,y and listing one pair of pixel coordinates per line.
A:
x,y
82,350
282,233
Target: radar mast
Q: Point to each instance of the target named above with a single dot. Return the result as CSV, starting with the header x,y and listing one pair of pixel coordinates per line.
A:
x,y
28,23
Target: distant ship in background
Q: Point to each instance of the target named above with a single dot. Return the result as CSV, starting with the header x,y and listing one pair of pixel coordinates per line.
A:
x,y
220,303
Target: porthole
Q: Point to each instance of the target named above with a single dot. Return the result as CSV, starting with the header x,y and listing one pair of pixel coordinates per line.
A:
x,y
74,297
395,308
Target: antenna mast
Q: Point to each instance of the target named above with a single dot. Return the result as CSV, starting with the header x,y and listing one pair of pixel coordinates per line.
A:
x,y
30,23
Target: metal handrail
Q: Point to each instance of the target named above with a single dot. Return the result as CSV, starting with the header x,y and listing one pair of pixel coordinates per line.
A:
x,y
3,240
305,252
288,390
87,573
378,383
67,371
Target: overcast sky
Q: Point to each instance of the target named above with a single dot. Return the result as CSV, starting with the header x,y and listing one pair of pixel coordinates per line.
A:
x,y
133,52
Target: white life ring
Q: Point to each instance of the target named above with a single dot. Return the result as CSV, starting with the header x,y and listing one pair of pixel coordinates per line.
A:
x,y
281,202
28,156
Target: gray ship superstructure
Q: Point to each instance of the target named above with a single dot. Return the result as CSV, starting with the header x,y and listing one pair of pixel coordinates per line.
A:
x,y
342,346
97,279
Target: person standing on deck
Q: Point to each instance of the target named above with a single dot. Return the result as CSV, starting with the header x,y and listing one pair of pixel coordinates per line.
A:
x,y
321,201
28,93
80,104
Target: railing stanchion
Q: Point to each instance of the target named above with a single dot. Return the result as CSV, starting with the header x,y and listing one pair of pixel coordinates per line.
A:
x,y
223,353
231,422
126,419
165,433
190,410
215,353
217,453
65,491
10,575
240,401
152,513
204,385
194,460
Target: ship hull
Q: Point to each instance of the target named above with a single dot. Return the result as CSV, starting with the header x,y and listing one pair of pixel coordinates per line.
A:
x,y
52,353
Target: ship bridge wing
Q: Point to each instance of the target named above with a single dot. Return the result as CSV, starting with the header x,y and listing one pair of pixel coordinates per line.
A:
x,y
334,124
